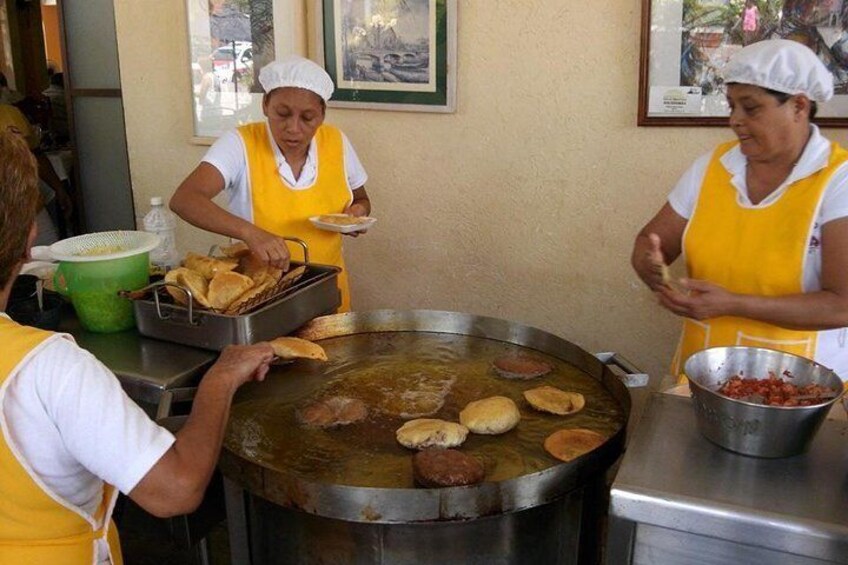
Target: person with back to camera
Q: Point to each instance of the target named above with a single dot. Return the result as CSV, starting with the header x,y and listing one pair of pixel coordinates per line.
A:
x,y
71,438
761,221
279,173
54,202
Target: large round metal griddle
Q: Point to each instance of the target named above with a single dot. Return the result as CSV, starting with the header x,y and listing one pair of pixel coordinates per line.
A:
x,y
360,473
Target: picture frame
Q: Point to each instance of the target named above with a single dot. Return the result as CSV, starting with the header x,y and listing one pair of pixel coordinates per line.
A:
x,y
228,42
686,43
397,55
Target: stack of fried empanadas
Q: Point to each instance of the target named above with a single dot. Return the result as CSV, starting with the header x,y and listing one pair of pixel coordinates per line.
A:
x,y
227,283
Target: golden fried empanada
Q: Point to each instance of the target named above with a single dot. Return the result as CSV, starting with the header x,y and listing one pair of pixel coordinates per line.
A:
x,y
292,276
236,250
296,348
431,432
491,416
342,219
191,280
225,287
250,294
209,266
567,445
553,400
257,269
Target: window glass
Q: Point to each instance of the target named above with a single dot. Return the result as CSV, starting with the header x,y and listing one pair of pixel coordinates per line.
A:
x,y
224,36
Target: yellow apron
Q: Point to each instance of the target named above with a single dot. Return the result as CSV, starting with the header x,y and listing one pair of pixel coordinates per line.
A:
x,y
282,210
759,251
35,528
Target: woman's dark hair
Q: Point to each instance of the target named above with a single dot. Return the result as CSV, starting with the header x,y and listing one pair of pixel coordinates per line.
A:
x,y
323,102
782,97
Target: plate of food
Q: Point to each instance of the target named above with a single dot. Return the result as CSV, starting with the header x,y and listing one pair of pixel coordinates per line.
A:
x,y
342,223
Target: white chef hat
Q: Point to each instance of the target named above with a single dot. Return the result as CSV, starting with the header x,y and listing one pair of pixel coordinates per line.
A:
x,y
296,72
782,65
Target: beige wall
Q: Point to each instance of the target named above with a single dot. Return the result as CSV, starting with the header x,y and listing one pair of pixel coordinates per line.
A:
x,y
522,205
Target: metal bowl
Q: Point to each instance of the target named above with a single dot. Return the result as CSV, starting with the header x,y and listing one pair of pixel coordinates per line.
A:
x,y
746,427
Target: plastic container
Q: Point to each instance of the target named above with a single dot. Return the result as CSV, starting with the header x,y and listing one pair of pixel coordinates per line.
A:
x,y
162,222
93,268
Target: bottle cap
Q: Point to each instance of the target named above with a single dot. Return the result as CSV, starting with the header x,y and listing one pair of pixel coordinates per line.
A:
x,y
156,201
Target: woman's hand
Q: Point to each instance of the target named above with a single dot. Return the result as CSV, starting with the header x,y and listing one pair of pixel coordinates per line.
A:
x,y
657,245
703,299
357,209
241,364
652,267
268,247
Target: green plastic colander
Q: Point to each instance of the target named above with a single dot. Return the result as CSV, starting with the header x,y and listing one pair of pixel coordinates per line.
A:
x,y
94,267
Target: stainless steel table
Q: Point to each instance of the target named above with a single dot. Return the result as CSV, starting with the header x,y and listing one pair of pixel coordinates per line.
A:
x,y
680,499
146,367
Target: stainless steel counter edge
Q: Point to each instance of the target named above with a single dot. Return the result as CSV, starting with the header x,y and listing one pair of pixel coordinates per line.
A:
x,y
671,477
726,522
146,367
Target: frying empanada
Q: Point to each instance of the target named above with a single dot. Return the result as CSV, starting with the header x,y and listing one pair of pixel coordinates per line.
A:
x,y
431,432
551,399
491,416
567,445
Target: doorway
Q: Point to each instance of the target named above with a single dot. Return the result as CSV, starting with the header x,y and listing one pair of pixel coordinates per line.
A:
x,y
60,58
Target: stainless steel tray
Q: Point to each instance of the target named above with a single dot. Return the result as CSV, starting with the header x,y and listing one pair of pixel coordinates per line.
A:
x,y
315,294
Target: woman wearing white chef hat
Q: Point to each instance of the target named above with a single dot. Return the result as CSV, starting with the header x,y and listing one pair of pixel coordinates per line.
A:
x,y
762,221
279,173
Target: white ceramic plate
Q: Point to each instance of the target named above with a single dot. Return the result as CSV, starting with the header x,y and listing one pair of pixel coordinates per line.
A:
x,y
364,225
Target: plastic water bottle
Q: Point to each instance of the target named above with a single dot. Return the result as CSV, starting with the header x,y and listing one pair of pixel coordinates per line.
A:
x,y
162,222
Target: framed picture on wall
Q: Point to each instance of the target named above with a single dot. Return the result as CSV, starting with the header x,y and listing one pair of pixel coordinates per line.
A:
x,y
686,43
389,54
229,41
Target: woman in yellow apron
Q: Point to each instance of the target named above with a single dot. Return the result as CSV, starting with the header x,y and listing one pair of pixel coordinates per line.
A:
x,y
278,173
68,432
762,221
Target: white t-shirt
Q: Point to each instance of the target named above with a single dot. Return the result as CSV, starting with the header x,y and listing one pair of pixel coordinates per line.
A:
x,y
832,349
69,419
229,156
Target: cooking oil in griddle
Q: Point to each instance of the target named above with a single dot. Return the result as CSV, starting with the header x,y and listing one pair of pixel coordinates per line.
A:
x,y
400,376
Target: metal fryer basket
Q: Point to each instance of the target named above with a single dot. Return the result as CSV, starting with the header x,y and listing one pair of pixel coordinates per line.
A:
x,y
280,310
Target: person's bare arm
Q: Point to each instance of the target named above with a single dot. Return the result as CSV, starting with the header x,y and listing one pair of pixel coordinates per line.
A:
x,y
193,202
176,483
658,243
821,310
